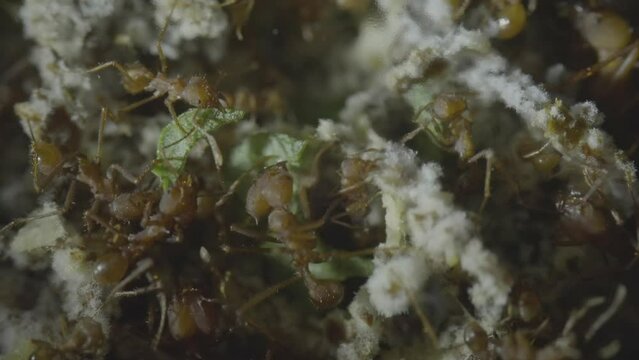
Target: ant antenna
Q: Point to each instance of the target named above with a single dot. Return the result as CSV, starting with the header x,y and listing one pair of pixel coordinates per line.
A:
x,y
265,294
163,65
427,327
34,158
103,119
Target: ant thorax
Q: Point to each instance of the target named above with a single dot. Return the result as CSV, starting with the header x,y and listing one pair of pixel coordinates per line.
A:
x,y
162,84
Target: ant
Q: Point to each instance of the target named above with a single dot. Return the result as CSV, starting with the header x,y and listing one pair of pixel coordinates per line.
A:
x,y
447,127
610,35
190,312
270,196
354,172
137,78
86,338
161,215
511,16
48,160
543,158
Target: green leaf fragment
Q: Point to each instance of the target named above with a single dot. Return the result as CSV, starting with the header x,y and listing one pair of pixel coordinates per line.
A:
x,y
177,141
267,149
342,268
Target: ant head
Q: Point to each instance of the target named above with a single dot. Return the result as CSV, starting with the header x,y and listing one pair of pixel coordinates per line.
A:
x,y
281,220
47,156
189,312
198,93
181,199
449,106
355,168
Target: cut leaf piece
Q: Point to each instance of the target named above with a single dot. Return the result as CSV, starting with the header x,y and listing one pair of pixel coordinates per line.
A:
x,y
176,141
265,149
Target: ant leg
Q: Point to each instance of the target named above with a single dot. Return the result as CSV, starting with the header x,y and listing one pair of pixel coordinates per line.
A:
x,y
68,202
408,137
461,10
335,220
348,254
127,175
115,65
311,226
591,70
90,215
231,190
419,128
489,156
141,267
606,315
138,291
317,223
68,199
594,187
161,296
265,294
213,145
427,327
34,160
628,64
124,173
238,250
229,2
139,103
305,204
169,105
351,188
248,232
103,119
536,152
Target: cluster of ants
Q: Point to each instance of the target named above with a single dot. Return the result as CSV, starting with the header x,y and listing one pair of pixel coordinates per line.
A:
x,y
139,218
136,217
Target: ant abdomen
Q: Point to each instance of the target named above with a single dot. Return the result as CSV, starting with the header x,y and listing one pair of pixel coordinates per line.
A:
x,y
476,338
110,268
324,294
511,20
529,306
188,313
180,321
48,156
